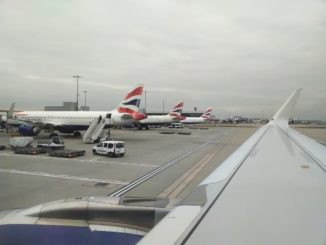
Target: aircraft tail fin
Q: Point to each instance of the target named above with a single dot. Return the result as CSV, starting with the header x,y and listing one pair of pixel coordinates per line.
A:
x,y
285,112
130,104
208,113
177,110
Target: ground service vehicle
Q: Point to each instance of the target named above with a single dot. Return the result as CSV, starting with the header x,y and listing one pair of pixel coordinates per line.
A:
x,y
55,143
110,148
20,142
176,125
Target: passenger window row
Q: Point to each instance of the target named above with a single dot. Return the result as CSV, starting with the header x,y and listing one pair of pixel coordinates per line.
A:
x,y
53,117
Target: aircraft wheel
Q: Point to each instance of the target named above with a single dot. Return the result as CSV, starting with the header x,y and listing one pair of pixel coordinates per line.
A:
x,y
77,134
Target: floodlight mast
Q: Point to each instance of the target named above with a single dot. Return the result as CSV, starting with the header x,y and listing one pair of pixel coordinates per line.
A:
x,y
77,95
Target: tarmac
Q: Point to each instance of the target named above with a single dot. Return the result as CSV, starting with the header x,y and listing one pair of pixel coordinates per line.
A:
x,y
28,180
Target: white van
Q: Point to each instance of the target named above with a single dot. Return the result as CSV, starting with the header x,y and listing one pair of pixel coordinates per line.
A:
x,y
176,125
110,148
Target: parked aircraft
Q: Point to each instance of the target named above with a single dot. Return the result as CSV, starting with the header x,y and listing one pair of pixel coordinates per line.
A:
x,y
271,190
153,120
31,123
205,117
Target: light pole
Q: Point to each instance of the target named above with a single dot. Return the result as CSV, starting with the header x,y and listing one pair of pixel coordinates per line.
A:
x,y
77,77
85,91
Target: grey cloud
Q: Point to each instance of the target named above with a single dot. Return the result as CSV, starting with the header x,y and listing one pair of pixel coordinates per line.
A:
x,y
240,57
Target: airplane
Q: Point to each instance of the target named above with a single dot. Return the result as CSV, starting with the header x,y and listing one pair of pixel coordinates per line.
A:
x,y
173,116
205,117
31,123
271,190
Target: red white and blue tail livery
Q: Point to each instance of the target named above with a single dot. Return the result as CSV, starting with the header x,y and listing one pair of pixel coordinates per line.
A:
x,y
208,113
130,104
176,111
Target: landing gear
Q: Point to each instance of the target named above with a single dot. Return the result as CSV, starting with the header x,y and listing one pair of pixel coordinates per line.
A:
x,y
77,134
142,126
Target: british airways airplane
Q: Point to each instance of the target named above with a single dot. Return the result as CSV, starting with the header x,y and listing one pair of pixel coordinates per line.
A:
x,y
31,123
271,190
205,117
173,116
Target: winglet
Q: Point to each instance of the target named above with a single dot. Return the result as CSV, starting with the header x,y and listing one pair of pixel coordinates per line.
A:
x,y
10,113
284,113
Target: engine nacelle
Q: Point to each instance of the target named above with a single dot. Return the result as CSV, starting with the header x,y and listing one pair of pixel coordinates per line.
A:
x,y
138,116
29,130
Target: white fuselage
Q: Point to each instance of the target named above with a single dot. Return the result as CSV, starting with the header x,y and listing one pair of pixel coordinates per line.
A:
x,y
158,119
193,120
75,118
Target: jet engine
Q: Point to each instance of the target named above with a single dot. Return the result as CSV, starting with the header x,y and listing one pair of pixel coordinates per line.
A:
x,y
138,116
29,130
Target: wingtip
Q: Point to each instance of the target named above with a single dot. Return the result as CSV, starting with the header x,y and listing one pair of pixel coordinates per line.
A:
x,y
286,110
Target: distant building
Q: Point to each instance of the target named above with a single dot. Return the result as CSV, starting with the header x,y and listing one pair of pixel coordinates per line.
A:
x,y
84,108
67,106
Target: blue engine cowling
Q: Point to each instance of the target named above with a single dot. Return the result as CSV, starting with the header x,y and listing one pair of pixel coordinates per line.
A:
x,y
28,130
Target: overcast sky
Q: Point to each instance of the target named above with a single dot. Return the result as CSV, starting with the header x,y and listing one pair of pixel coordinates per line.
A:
x,y
240,57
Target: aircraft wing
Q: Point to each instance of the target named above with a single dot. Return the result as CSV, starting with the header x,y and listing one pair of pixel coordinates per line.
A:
x,y
272,190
